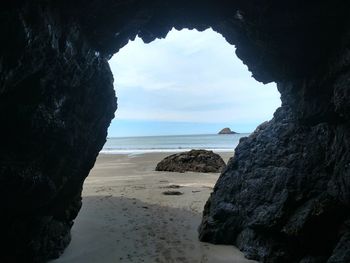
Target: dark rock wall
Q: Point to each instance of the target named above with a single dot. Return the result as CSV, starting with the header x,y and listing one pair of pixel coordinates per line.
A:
x,y
56,102
284,197
285,194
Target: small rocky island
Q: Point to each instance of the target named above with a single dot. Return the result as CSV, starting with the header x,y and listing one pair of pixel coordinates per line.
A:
x,y
202,161
227,131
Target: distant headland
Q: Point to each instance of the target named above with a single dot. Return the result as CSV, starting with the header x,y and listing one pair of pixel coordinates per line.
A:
x,y
227,131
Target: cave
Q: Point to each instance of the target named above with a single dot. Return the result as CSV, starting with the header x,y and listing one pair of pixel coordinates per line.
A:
x,y
284,197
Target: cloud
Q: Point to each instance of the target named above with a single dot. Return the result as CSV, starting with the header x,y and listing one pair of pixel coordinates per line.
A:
x,y
190,76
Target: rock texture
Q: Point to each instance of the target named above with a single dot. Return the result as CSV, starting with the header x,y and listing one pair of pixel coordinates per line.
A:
x,y
285,195
280,201
201,161
56,103
227,131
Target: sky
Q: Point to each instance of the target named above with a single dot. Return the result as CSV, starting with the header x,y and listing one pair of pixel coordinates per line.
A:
x,y
188,83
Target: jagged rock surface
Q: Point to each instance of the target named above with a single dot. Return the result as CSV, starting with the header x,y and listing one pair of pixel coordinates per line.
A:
x,y
284,197
280,198
201,161
56,102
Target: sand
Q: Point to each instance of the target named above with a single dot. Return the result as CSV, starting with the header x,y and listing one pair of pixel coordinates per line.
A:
x,y
126,217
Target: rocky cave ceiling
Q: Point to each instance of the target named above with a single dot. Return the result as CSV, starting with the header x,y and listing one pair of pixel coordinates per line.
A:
x,y
284,196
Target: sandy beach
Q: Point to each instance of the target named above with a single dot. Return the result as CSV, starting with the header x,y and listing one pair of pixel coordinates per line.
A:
x,y
126,217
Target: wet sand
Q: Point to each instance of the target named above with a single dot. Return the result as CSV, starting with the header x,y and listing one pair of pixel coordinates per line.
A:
x,y
126,217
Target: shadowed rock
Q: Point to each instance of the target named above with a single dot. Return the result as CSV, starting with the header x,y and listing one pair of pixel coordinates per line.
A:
x,y
195,161
285,195
280,201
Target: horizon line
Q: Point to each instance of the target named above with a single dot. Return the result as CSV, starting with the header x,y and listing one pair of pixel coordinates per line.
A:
x,y
165,135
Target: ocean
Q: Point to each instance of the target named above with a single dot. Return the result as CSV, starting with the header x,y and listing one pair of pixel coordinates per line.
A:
x,y
172,143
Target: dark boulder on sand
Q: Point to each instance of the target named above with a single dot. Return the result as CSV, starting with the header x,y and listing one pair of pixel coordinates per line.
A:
x,y
195,161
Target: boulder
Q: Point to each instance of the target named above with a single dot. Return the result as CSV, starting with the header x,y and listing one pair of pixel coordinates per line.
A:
x,y
195,161
227,131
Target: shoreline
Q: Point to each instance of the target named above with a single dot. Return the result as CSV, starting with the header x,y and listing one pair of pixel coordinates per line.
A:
x,y
126,217
165,151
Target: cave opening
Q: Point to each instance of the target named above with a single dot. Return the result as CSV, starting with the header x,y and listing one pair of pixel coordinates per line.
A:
x,y
191,77
188,77
285,195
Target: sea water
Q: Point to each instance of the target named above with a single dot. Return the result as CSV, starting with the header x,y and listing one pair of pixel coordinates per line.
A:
x,y
172,143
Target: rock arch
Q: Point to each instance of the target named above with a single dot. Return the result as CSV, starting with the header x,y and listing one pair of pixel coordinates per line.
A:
x,y
285,195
